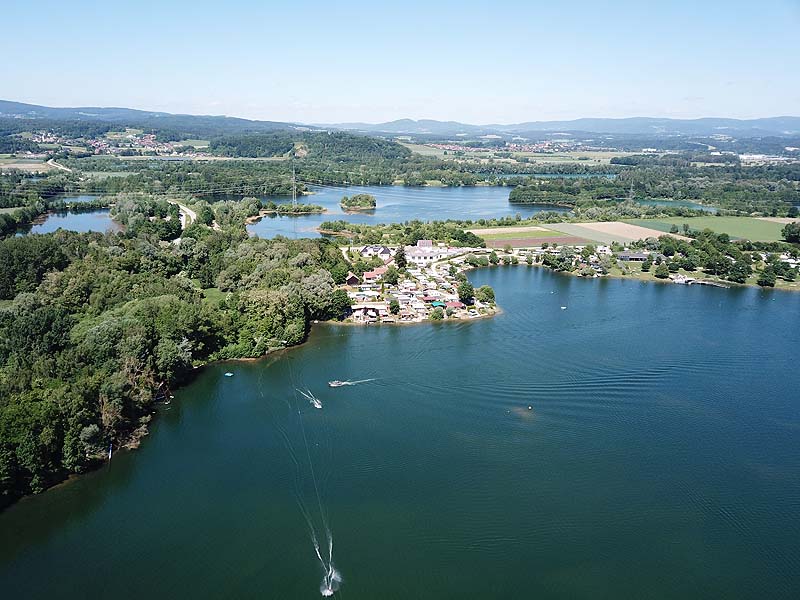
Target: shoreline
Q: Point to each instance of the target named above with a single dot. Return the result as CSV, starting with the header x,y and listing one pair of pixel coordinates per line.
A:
x,y
265,212
132,441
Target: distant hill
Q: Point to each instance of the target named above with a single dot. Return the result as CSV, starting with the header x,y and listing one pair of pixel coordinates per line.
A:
x,y
200,125
774,126
212,125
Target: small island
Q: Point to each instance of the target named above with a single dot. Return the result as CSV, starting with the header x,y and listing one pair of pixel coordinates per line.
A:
x,y
358,202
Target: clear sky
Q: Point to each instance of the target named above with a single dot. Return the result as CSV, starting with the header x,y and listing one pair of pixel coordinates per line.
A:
x,y
477,62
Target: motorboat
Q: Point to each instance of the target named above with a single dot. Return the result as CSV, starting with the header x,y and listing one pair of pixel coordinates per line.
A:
x,y
313,400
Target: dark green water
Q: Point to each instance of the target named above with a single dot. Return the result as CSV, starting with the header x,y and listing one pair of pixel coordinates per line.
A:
x,y
661,460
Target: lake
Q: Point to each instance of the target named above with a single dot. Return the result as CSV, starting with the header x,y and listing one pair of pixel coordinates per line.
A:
x,y
659,460
80,221
397,204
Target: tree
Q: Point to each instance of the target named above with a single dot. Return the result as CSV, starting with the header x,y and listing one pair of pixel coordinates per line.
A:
x,y
662,271
437,314
791,233
647,265
767,278
485,293
493,258
465,292
394,306
739,272
339,304
392,275
400,258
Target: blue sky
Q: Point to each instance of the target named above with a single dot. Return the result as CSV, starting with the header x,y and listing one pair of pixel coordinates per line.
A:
x,y
477,62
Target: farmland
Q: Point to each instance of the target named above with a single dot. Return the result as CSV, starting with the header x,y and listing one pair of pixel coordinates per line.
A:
x,y
757,230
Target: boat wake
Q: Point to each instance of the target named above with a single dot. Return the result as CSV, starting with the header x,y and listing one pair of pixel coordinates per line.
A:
x,y
318,524
312,399
337,383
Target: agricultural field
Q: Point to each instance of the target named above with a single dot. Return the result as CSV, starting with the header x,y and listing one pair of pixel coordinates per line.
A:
x,y
607,232
525,236
500,233
751,228
24,164
194,143
585,157
425,150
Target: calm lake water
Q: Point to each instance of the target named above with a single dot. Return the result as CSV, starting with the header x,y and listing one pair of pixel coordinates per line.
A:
x,y
659,460
93,220
397,204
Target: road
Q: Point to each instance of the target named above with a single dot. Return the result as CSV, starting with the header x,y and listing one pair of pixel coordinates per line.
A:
x,y
188,216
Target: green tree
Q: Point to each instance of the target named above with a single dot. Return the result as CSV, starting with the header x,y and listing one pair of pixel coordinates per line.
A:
x,y
465,292
437,314
493,259
394,306
791,233
484,293
400,258
392,275
767,278
662,271
339,304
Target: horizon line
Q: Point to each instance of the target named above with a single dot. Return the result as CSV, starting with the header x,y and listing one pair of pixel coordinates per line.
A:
x,y
418,119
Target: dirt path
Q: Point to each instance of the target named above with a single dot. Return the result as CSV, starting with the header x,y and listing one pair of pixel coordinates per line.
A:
x,y
53,163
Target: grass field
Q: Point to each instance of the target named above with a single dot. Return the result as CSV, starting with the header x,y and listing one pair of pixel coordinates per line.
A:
x,y
195,143
424,150
603,158
29,165
513,233
757,230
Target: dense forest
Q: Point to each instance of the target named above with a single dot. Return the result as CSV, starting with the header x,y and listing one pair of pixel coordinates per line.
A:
x,y
96,328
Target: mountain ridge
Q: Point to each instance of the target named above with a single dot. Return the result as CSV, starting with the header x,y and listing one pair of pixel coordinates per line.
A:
x,y
766,126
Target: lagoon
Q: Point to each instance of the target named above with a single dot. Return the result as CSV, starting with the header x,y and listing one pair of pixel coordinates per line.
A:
x,y
80,221
658,460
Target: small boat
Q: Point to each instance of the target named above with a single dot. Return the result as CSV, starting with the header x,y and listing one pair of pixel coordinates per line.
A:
x,y
313,400
228,374
563,308
337,383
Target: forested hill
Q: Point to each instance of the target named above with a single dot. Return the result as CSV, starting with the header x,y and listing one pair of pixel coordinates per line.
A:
x,y
332,146
23,116
95,329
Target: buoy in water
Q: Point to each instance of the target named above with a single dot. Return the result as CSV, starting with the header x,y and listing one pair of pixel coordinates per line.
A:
x,y
530,408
